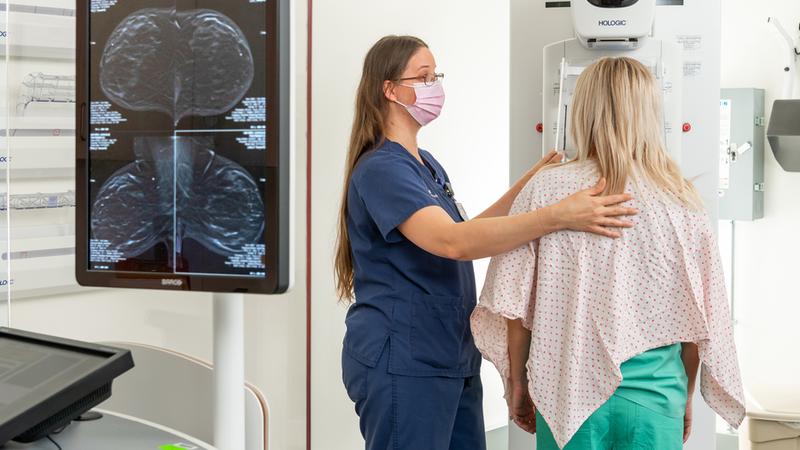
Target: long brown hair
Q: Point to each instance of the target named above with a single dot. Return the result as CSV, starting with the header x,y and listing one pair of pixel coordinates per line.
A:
x,y
386,60
617,121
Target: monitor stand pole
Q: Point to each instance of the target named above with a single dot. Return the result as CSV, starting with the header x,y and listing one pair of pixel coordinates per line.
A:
x,y
229,407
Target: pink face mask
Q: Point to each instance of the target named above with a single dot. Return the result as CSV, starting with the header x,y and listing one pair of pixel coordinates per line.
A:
x,y
430,100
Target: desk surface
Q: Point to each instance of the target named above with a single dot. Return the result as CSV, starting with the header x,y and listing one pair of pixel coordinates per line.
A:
x,y
115,432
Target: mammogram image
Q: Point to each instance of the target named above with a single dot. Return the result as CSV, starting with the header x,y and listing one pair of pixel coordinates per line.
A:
x,y
182,63
178,188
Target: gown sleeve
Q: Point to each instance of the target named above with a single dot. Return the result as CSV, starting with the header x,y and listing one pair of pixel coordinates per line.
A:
x,y
720,379
508,293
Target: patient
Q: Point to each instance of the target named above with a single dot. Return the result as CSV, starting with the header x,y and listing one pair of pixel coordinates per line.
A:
x,y
599,340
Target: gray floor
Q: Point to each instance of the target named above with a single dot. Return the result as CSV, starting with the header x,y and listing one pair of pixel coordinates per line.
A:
x,y
497,439
727,441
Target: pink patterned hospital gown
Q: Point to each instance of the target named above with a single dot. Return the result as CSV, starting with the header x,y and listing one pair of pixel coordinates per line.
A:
x,y
592,302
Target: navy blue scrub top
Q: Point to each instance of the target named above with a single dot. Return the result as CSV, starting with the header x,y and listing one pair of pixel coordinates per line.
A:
x,y
414,304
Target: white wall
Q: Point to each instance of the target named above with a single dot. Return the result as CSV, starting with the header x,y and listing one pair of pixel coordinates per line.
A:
x,y
469,39
275,326
768,302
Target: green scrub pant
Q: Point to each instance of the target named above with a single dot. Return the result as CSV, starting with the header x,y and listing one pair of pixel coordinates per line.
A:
x,y
619,424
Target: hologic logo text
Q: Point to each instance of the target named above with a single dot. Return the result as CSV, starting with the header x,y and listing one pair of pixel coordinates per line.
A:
x,y
613,23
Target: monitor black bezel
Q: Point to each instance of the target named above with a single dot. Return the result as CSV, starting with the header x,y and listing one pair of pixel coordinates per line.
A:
x,y
278,267
118,362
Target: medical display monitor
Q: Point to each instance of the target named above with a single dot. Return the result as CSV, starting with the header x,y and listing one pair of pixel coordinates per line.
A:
x,y
183,154
46,382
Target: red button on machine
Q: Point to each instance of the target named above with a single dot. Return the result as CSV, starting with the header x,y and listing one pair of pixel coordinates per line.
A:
x,y
687,127
539,127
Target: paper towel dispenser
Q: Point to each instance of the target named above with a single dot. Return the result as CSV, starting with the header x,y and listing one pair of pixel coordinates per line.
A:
x,y
784,134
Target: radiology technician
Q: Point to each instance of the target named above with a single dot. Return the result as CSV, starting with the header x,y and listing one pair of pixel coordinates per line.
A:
x,y
409,362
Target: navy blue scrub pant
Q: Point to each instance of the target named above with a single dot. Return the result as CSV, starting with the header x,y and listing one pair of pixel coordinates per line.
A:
x,y
414,413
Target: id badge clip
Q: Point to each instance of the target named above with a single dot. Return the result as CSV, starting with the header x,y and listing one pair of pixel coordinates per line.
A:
x,y
462,212
448,189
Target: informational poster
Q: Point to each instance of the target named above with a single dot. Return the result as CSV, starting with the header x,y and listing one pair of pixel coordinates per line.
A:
x,y
180,138
690,42
692,69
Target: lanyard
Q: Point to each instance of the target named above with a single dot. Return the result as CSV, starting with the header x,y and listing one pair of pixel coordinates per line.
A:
x,y
445,185
448,189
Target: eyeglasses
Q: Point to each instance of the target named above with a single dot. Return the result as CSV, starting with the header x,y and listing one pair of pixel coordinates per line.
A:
x,y
427,80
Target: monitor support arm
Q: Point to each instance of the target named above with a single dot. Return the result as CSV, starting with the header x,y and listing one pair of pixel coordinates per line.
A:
x,y
792,53
229,404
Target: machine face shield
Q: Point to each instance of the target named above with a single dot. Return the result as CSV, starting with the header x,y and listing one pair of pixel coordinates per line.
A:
x,y
613,3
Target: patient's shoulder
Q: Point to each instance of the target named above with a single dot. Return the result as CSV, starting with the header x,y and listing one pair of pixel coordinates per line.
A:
x,y
555,183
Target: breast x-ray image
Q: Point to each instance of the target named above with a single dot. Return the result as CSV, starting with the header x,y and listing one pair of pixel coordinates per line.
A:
x,y
181,63
178,142
178,188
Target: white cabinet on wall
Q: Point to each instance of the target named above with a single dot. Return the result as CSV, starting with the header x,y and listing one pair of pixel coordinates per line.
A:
x,y
37,95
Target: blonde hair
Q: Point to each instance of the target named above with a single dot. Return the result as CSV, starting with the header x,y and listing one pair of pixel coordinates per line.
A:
x,y
386,60
617,121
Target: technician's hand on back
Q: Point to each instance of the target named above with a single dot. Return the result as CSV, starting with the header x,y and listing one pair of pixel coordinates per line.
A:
x,y
409,362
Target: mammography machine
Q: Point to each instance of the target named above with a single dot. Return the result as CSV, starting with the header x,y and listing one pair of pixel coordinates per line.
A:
x,y
609,28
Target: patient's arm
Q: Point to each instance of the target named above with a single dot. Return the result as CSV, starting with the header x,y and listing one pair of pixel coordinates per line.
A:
x,y
520,405
519,344
691,362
